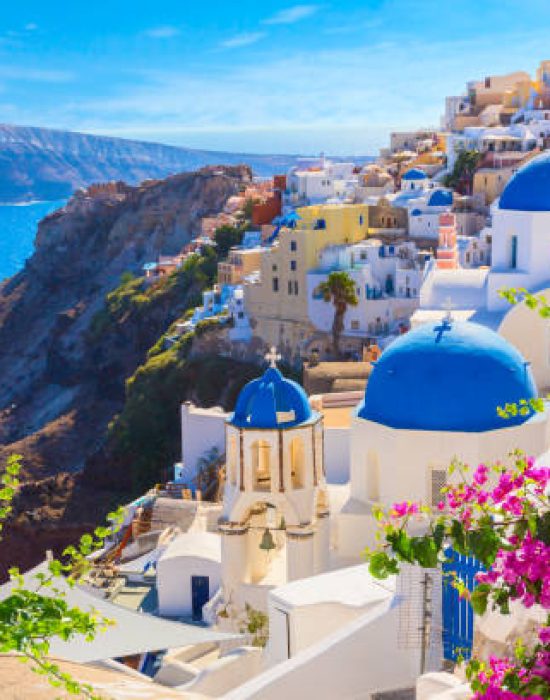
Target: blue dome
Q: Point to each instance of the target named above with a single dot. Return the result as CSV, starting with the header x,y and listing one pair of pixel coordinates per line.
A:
x,y
529,188
416,212
441,198
272,401
415,174
451,376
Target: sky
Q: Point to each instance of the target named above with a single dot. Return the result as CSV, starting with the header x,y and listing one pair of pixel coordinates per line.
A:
x,y
249,76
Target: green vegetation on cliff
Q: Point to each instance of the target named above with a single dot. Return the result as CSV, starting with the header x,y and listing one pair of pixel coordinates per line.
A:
x,y
137,300
145,436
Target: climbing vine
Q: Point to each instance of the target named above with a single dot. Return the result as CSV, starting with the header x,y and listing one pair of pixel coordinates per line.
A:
x,y
499,514
31,617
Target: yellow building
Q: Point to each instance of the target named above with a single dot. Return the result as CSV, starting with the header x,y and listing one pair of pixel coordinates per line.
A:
x,y
277,303
490,182
240,263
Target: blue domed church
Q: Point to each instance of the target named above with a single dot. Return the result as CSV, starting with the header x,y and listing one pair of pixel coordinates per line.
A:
x,y
433,397
275,526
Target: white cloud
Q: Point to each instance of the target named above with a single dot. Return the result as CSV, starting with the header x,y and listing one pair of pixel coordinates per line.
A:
x,y
245,39
31,27
292,14
165,32
349,91
38,75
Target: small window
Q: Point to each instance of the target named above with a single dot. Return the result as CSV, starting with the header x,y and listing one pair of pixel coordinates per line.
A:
x,y
275,282
355,325
293,245
274,268
240,314
289,287
295,287
514,253
293,265
360,219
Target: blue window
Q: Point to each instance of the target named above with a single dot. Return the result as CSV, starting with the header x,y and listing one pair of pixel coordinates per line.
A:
x,y
292,245
293,264
514,253
361,220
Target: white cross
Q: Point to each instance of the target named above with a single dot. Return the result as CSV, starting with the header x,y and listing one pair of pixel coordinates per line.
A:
x,y
448,306
272,356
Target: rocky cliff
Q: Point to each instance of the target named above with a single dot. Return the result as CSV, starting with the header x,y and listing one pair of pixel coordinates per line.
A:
x,y
65,354
49,164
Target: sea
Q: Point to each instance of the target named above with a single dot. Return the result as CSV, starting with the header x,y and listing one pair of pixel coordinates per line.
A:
x,y
18,224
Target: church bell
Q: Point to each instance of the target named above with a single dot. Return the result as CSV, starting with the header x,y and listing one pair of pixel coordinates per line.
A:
x,y
267,542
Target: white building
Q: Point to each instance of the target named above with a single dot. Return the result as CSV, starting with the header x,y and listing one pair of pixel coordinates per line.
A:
x,y
188,574
424,212
475,251
321,182
387,279
500,141
241,330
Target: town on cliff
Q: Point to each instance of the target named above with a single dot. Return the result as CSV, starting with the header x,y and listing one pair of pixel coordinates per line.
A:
x,y
348,331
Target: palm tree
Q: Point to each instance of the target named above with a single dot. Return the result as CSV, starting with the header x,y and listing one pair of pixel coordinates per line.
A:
x,y
339,288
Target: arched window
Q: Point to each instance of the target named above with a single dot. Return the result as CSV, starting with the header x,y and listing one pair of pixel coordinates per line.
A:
x,y
322,502
261,465
232,460
297,463
373,476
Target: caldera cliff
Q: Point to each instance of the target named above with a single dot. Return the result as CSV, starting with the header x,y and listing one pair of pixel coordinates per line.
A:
x,y
66,353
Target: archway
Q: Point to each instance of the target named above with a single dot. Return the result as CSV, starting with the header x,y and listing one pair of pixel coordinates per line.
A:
x,y
261,465
297,463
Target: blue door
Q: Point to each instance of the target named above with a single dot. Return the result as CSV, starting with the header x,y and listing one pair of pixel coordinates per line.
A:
x,y
200,594
458,616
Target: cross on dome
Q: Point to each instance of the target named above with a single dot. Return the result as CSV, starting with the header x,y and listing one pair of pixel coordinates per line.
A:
x,y
445,325
272,356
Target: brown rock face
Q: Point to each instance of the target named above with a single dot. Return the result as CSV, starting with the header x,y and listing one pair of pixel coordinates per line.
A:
x,y
58,392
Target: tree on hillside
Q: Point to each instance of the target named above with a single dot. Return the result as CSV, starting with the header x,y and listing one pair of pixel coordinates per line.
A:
x,y
226,237
338,288
462,176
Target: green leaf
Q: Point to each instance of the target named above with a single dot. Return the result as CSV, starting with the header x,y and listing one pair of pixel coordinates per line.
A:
x,y
458,536
543,528
439,534
484,544
401,544
480,597
425,552
381,565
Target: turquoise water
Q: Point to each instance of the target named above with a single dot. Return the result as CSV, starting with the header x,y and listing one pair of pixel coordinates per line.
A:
x,y
18,224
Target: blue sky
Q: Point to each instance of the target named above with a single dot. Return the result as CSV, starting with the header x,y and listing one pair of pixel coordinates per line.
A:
x,y
257,77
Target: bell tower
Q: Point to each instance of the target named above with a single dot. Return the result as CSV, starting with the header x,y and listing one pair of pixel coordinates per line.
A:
x,y
275,525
